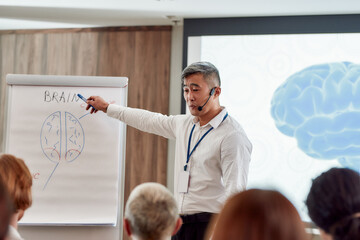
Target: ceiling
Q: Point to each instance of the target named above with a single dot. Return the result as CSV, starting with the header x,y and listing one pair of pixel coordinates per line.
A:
x,y
26,14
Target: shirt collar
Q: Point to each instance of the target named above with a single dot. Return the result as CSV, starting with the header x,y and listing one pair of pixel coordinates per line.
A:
x,y
215,122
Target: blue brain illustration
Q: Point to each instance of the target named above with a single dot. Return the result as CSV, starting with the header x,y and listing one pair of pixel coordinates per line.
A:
x,y
320,107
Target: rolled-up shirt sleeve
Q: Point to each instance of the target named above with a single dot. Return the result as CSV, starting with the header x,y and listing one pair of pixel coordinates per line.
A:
x,y
144,120
235,159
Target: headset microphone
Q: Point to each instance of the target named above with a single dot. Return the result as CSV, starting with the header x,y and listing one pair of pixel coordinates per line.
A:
x,y
200,108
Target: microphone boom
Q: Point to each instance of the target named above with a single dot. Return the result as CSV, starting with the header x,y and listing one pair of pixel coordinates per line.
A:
x,y
212,91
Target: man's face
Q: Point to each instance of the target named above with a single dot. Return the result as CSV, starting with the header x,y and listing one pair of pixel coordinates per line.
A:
x,y
196,92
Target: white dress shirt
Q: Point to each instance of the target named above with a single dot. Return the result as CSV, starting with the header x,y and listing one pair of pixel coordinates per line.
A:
x,y
219,165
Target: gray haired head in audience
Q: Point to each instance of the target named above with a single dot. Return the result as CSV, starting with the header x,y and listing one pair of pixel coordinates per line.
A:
x,y
151,213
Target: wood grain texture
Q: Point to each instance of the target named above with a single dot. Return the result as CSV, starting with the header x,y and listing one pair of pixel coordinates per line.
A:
x,y
29,53
7,59
155,89
98,29
146,62
85,53
59,54
140,53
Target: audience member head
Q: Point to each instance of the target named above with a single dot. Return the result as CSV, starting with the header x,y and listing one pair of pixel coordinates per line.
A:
x,y
18,181
151,213
258,215
334,204
6,211
209,72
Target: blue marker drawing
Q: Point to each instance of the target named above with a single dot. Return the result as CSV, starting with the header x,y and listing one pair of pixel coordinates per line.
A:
x,y
51,175
320,107
84,99
84,115
49,137
65,130
75,138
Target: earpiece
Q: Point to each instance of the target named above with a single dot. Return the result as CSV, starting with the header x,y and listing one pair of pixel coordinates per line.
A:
x,y
212,91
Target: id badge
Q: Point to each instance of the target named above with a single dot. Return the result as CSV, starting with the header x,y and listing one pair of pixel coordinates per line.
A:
x,y
183,182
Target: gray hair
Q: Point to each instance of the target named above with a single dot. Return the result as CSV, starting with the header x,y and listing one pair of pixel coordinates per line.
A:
x,y
151,211
208,70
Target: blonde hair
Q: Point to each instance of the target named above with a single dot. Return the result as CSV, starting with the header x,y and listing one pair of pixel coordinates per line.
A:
x,y
151,211
17,179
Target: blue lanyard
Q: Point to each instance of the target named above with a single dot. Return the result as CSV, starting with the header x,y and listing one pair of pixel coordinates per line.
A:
x,y
197,144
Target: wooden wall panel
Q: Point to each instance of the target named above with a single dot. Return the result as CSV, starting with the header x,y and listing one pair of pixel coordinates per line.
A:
x,y
116,54
157,90
151,72
7,59
59,54
85,53
29,54
140,53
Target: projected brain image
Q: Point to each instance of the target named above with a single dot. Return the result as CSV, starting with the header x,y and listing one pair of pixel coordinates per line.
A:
x,y
320,107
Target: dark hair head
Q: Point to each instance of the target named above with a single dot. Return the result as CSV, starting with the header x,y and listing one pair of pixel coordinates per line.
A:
x,y
257,215
334,203
206,69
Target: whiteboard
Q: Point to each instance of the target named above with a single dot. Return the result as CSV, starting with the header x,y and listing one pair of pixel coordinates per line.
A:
x,y
76,158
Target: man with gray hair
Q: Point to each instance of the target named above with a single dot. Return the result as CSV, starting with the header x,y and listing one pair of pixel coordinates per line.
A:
x,y
151,213
212,152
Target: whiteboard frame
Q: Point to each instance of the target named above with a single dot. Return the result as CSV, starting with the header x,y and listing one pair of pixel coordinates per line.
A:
x,y
66,80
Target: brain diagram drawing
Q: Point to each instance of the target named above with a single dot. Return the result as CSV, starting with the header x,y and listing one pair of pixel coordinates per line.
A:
x,y
320,107
62,137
